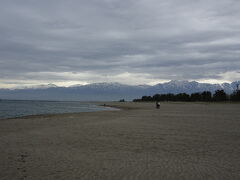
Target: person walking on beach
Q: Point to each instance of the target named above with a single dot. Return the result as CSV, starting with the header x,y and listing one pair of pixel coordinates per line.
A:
x,y
158,105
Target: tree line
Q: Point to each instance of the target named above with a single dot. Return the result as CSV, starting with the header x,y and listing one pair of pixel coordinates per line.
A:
x,y
205,96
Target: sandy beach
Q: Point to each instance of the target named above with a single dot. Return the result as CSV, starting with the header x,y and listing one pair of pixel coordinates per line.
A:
x,y
177,141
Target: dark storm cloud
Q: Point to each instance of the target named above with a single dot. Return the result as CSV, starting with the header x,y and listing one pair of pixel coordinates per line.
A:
x,y
109,40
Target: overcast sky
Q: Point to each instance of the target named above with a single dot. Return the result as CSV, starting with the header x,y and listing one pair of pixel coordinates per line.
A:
x,y
68,42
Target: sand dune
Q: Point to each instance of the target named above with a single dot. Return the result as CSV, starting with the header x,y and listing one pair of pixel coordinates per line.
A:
x,y
179,141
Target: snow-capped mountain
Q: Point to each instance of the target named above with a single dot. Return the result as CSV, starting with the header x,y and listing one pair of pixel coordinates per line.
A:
x,y
111,91
42,86
187,87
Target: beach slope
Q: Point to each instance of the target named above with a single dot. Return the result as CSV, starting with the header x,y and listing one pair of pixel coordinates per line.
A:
x,y
177,141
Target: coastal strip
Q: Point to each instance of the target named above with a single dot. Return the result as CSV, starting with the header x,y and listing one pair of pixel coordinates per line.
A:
x,y
177,141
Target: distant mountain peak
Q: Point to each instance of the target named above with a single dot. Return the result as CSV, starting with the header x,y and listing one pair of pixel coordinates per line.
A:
x,y
112,90
41,86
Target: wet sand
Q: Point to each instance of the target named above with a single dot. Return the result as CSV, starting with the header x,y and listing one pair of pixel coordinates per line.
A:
x,y
178,141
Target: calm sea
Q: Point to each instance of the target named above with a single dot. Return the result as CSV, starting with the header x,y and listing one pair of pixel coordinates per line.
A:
x,y
16,108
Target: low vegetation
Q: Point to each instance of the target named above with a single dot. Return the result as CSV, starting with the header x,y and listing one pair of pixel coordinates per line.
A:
x,y
205,96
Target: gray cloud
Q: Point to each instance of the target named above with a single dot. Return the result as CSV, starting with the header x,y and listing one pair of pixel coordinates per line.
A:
x,y
143,41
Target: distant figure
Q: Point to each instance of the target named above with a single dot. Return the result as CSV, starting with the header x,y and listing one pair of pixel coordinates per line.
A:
x,y
158,105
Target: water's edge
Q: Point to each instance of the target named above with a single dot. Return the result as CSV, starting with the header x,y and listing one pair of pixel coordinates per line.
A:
x,y
11,109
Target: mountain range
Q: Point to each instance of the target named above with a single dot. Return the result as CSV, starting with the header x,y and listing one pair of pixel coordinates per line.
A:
x,y
111,91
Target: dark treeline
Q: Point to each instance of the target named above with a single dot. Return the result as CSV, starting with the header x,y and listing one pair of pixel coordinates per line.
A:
x,y
205,96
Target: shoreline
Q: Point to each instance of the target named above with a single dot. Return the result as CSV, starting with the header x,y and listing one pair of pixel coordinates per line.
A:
x,y
179,140
113,104
52,114
113,108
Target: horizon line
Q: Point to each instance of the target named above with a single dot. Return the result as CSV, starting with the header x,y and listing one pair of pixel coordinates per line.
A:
x,y
129,84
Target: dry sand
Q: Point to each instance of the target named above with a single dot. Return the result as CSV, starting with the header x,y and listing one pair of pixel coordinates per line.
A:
x,y
179,141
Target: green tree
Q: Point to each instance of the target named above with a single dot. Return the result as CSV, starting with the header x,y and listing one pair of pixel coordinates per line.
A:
x,y
147,98
219,95
182,97
157,97
206,96
196,97
235,96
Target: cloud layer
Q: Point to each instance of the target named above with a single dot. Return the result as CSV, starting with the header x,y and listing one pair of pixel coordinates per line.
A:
x,y
127,41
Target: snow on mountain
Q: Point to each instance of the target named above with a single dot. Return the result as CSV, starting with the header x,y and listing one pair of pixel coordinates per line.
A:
x,y
41,86
111,91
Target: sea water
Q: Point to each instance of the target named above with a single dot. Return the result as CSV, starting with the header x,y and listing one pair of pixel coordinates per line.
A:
x,y
19,108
